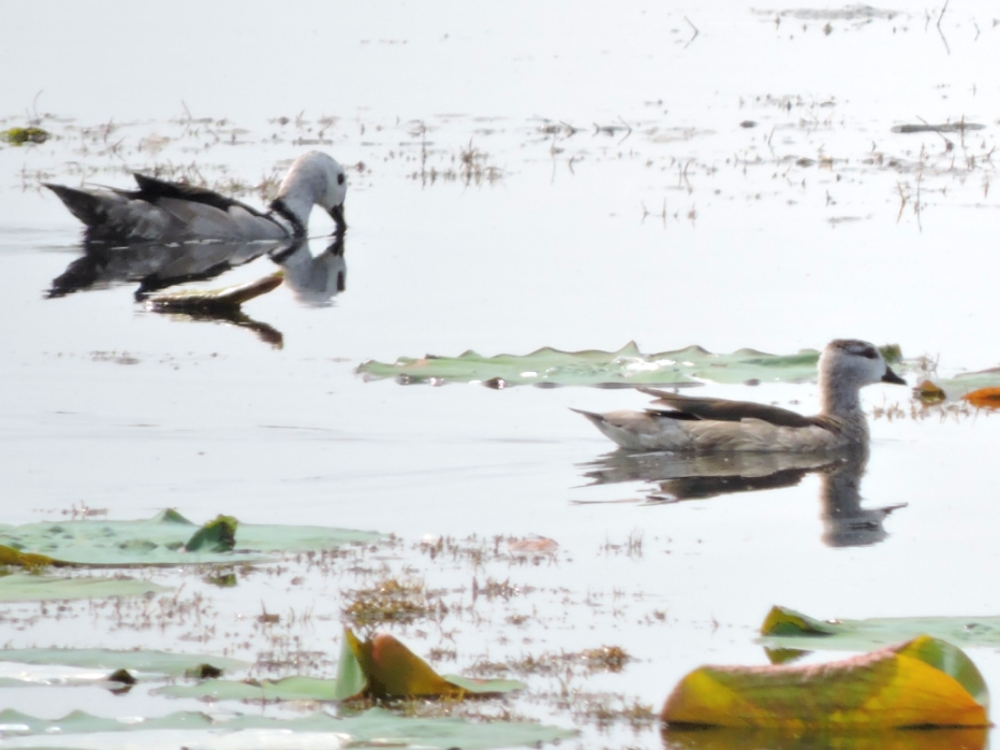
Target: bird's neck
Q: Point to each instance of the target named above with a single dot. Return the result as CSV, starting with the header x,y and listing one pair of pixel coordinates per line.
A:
x,y
840,402
292,213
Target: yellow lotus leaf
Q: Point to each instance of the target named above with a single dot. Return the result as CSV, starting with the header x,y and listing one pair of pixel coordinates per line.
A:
x,y
929,393
722,738
922,683
11,556
395,671
383,668
784,621
984,398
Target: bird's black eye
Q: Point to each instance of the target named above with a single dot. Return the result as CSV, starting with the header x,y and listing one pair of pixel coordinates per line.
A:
x,y
340,178
870,352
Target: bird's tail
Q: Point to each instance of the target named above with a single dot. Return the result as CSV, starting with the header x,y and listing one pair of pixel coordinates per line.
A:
x,y
597,419
83,205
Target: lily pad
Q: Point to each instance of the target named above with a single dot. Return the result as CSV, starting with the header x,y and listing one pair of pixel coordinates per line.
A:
x,y
218,535
294,688
19,587
925,682
158,663
373,728
624,368
391,670
896,739
162,540
785,628
380,668
960,385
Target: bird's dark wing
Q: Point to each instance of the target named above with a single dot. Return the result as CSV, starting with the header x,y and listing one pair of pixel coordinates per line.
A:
x,y
723,410
151,189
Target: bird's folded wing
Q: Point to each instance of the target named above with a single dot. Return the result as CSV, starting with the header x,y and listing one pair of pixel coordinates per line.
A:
x,y
724,410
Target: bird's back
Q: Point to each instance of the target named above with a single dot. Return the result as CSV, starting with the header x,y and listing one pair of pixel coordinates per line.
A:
x,y
164,212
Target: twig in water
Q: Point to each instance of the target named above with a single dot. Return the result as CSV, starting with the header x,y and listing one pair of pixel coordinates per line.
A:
x,y
696,32
938,24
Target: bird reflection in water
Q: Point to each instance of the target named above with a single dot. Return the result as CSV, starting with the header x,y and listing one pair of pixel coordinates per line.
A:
x,y
315,280
678,478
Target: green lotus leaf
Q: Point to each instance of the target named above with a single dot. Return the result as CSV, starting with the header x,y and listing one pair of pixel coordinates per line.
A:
x,y
162,540
19,587
375,727
159,663
626,367
779,631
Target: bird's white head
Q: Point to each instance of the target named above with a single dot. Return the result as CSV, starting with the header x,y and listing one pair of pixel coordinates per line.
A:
x,y
314,179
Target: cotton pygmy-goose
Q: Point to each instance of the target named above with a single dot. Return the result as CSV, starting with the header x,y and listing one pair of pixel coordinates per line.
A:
x,y
168,212
713,425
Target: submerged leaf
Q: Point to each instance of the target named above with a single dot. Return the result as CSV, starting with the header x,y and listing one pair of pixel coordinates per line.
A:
x,y
624,368
924,682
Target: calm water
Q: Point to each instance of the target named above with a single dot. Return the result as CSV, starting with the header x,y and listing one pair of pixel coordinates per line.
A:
x,y
687,229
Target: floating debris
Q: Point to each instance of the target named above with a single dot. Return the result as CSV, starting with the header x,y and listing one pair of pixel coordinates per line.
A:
x,y
948,127
213,300
20,136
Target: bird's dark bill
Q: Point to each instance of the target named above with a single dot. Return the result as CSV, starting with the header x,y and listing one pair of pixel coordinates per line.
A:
x,y
891,377
337,213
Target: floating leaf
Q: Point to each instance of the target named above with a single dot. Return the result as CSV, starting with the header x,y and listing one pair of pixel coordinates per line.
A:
x,y
20,136
159,663
390,670
19,587
984,398
787,629
968,382
928,393
211,300
381,668
784,621
161,540
373,728
626,367
720,738
218,535
922,683
294,688
11,556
